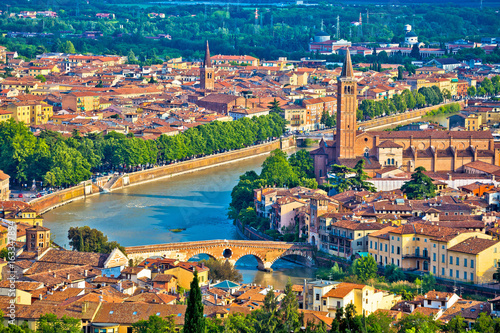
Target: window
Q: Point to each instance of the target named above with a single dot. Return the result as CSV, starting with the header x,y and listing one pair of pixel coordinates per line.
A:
x,y
385,247
398,250
392,237
457,274
458,261
317,297
495,263
338,304
433,245
443,259
425,240
442,247
376,245
471,264
324,302
392,248
398,262
465,262
451,273
434,270
451,260
465,275
371,245
433,257
442,271
472,276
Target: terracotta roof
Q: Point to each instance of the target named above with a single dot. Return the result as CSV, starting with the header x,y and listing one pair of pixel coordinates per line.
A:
x,y
389,144
474,245
341,290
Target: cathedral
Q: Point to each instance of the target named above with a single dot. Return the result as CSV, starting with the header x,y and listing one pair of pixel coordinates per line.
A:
x,y
437,151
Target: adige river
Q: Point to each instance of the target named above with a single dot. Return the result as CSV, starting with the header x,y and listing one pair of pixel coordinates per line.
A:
x,y
143,215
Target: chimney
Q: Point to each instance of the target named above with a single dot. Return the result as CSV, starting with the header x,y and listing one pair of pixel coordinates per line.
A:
x,y
67,276
40,297
55,274
85,272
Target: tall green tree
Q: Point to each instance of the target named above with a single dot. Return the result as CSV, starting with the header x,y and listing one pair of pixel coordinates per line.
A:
x,y
365,268
194,321
420,186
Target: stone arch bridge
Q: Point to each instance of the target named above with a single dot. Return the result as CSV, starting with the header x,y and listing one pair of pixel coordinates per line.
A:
x,y
266,252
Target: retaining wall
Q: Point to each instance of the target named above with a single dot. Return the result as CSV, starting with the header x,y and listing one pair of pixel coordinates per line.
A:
x,y
200,163
51,201
411,116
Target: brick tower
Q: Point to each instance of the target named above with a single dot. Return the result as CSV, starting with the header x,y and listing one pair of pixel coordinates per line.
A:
x,y
207,72
347,105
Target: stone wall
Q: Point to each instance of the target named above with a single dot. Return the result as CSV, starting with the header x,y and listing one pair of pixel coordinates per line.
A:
x,y
201,163
402,118
53,200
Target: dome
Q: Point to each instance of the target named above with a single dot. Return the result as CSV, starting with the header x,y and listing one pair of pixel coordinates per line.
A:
x,y
322,34
411,34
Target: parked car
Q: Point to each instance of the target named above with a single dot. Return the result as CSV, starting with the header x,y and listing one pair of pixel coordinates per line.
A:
x,y
20,195
39,195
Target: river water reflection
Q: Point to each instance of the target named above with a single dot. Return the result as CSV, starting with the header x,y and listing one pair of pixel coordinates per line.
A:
x,y
198,202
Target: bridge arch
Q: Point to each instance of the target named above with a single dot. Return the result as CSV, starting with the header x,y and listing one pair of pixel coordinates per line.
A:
x,y
308,259
260,261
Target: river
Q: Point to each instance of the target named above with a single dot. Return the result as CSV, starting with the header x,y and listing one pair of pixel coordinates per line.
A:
x,y
143,215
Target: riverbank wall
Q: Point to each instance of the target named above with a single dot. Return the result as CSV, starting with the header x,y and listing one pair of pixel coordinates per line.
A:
x,y
401,119
141,177
57,199
87,189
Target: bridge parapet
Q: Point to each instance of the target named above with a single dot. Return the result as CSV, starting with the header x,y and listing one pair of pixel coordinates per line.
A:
x,y
266,252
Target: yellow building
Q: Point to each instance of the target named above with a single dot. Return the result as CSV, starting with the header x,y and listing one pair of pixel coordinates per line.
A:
x,y
445,252
473,122
31,113
366,299
26,216
5,115
20,112
184,273
4,186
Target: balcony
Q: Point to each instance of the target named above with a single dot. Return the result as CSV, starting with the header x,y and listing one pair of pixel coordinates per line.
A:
x,y
417,256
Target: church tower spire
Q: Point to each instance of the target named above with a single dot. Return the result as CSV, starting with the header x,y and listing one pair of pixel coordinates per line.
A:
x,y
207,71
347,105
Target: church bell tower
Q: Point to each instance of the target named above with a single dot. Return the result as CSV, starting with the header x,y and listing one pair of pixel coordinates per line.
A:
x,y
207,72
347,104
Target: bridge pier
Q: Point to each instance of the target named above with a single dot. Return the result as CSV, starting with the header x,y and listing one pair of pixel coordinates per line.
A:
x,y
265,266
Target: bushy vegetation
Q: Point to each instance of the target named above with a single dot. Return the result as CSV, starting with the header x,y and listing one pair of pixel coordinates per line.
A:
x,y
277,170
85,239
369,109
222,270
283,31
445,109
67,161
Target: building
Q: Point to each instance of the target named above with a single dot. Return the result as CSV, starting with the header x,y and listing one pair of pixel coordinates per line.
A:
x,y
81,101
438,151
207,77
344,238
37,237
220,103
411,38
238,113
5,115
243,60
447,253
4,186
324,45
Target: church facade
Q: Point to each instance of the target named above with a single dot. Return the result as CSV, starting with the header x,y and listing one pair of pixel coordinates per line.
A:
x,y
437,151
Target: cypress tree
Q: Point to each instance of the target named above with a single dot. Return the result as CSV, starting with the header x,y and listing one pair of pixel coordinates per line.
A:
x,y
194,322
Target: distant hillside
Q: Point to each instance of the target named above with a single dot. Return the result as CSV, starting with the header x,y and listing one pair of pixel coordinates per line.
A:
x,y
60,4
